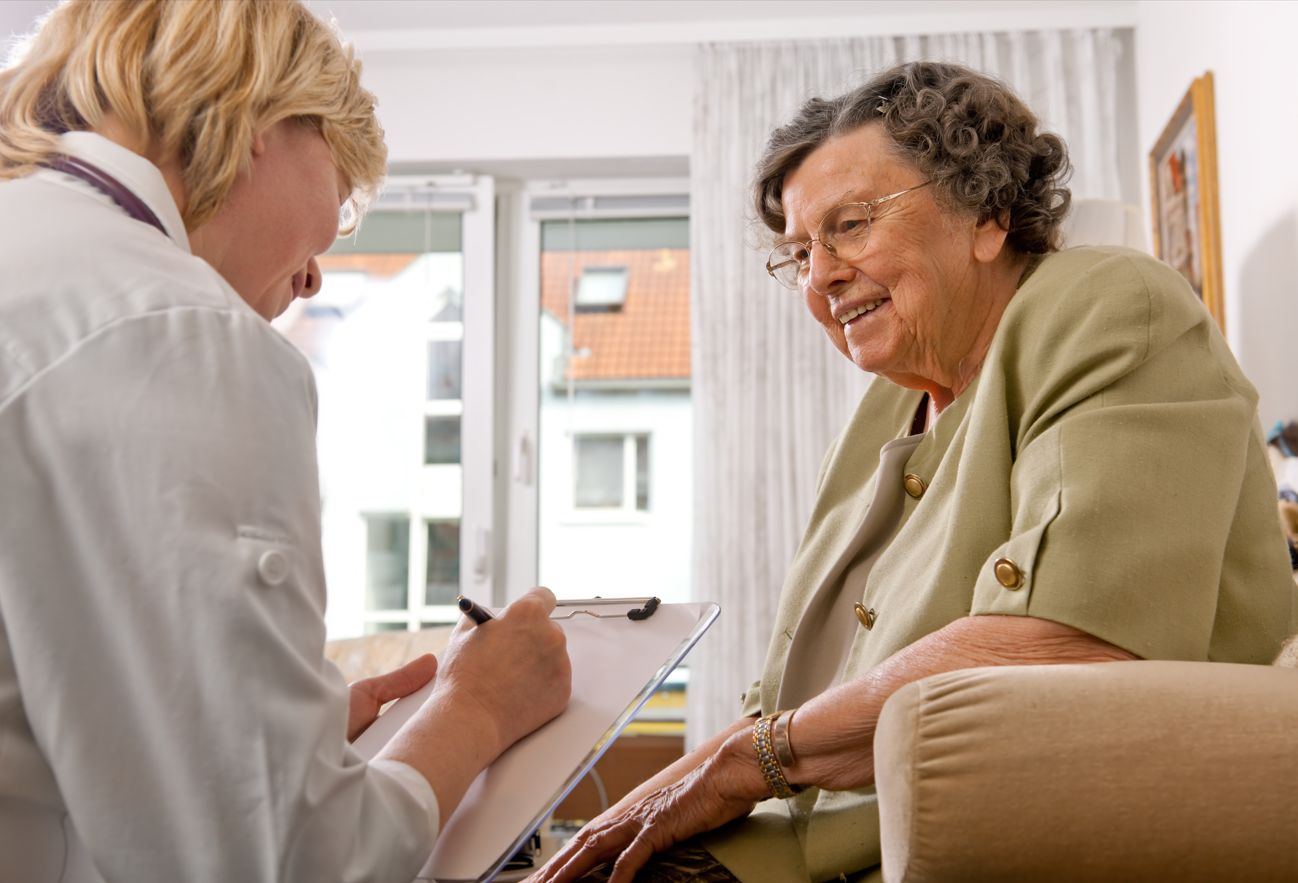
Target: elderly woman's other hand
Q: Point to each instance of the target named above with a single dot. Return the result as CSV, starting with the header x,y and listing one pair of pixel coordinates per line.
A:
x,y
724,787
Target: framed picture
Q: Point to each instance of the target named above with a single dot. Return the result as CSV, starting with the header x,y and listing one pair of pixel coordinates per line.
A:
x,y
1183,178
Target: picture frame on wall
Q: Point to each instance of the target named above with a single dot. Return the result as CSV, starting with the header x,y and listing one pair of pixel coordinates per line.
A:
x,y
1183,181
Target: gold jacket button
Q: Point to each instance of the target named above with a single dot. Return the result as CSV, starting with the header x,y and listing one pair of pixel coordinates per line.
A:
x,y
914,485
867,617
1008,573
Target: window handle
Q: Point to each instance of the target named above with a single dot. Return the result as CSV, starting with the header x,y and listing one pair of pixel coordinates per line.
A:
x,y
523,459
481,558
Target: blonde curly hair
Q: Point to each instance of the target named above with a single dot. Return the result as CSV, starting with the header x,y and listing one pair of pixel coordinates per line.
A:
x,y
196,78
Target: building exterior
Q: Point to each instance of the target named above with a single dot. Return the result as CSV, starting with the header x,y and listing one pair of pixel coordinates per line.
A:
x,y
616,428
386,337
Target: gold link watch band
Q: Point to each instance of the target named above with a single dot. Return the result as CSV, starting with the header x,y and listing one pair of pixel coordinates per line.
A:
x,y
768,760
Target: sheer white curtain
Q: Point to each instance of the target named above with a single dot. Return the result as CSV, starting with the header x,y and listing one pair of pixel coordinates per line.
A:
x,y
769,391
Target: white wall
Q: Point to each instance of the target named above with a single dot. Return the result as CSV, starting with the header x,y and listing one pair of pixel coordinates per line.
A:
x,y
1249,47
453,94
587,554
474,107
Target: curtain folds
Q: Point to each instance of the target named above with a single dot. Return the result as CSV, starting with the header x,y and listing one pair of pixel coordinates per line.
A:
x,y
770,393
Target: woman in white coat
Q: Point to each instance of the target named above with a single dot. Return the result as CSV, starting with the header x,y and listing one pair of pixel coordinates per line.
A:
x,y
168,173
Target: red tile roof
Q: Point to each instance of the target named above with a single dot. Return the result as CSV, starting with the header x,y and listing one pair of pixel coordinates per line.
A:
x,y
649,337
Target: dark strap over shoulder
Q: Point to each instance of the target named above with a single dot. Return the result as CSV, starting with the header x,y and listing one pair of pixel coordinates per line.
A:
x,y
110,186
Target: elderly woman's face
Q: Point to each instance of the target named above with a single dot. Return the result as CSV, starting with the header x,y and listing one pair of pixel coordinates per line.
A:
x,y
907,307
277,219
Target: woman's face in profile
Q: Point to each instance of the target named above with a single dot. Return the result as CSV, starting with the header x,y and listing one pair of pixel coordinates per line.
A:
x,y
280,215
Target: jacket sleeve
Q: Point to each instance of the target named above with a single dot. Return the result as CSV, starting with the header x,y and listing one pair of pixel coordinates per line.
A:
x,y
1137,458
164,609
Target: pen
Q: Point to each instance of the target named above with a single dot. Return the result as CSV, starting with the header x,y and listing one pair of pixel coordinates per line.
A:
x,y
475,612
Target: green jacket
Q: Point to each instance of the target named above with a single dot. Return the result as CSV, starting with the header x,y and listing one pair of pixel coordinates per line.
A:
x,y
1109,451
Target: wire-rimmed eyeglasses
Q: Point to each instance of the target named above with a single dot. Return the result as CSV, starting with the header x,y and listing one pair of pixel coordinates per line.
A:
x,y
844,232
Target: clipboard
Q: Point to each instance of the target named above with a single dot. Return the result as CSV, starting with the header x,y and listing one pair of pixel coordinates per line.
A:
x,y
622,649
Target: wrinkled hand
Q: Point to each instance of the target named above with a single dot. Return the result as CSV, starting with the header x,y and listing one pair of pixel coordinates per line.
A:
x,y
370,694
722,788
514,668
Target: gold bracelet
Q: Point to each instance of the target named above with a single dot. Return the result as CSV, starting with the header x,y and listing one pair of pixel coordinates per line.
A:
x,y
767,762
780,738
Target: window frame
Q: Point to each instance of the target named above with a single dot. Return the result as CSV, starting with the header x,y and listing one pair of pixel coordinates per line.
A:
x,y
523,209
472,197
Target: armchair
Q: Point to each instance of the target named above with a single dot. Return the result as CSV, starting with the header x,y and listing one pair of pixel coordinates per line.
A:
x,y
1144,770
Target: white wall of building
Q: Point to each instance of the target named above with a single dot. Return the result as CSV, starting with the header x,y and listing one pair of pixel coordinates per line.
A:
x,y
584,553
610,554
372,386
1249,48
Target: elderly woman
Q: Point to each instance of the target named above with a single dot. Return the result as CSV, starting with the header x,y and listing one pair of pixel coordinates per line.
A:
x,y
166,713
1058,462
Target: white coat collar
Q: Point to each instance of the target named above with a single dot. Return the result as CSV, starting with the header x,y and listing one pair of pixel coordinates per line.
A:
x,y
137,173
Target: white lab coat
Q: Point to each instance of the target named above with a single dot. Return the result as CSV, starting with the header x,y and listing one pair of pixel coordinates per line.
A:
x,y
166,713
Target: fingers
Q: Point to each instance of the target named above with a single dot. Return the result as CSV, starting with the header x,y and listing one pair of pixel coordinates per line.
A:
x,y
537,600
514,669
591,847
538,596
413,675
633,858
401,682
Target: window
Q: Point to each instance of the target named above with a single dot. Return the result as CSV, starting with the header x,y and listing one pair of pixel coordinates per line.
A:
x,y
442,581
401,338
601,289
601,461
387,554
611,472
441,440
445,364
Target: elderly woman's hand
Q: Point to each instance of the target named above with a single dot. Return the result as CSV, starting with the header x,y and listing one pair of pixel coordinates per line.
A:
x,y
722,788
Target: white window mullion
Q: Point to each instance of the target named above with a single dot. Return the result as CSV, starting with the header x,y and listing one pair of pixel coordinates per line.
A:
x,y
519,262
477,427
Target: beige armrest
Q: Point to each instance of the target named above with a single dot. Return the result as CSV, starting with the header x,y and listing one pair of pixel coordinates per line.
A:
x,y
1117,771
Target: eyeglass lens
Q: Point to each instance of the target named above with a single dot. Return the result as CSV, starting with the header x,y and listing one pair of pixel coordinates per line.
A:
x,y
844,232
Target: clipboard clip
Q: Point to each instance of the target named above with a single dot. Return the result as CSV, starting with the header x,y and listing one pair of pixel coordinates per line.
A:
x,y
646,607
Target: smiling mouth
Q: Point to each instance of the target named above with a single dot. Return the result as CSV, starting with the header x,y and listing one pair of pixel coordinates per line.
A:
x,y
864,308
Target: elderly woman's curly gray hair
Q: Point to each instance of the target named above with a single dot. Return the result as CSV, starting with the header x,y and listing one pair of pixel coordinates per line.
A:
x,y
966,132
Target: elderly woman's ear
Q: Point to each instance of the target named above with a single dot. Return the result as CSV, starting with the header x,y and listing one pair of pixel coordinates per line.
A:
x,y
989,239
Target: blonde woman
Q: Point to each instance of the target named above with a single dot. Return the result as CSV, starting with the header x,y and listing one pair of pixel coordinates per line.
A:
x,y
168,173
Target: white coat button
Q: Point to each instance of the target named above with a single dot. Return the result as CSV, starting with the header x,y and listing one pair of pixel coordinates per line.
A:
x,y
272,568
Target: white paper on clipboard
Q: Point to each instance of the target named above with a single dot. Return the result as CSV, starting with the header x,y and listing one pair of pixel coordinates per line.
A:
x,y
617,663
